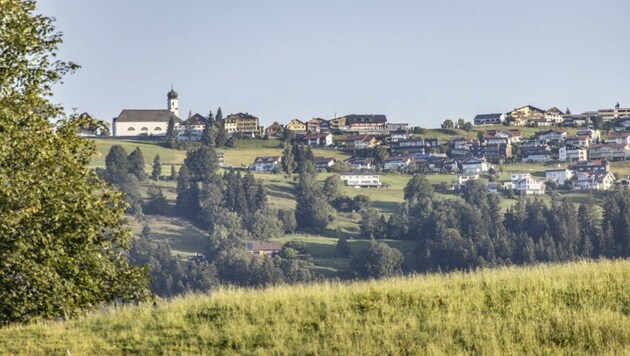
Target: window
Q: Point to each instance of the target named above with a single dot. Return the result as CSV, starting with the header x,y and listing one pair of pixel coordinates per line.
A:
x,y
158,129
131,129
144,129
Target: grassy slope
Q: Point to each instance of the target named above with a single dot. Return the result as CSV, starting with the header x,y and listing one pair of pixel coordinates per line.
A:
x,y
575,308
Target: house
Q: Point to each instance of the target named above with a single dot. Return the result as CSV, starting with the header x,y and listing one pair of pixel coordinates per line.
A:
x,y
463,178
595,166
558,175
365,123
267,164
571,152
396,163
489,119
243,123
147,122
619,138
324,162
555,135
529,185
609,151
594,135
554,115
274,130
192,128
536,154
397,135
359,142
583,141
396,127
616,112
502,136
475,165
337,124
361,164
296,126
576,120
317,125
523,115
492,152
318,139
263,248
410,145
592,181
534,142
493,187
432,142
361,179
623,124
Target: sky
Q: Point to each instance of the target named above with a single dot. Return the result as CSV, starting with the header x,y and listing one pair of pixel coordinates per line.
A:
x,y
419,62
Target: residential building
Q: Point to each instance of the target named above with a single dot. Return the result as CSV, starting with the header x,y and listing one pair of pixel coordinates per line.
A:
x,y
274,130
324,162
263,248
615,113
410,145
243,123
584,141
296,126
593,134
571,152
317,125
361,179
619,138
397,135
463,178
359,142
361,164
523,115
493,152
554,135
396,163
595,166
267,164
534,142
318,139
535,154
512,136
529,185
609,151
147,122
337,124
365,123
475,165
554,115
489,119
396,126
592,181
192,128
558,175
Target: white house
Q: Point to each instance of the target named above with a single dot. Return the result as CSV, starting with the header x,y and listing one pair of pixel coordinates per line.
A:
x,y
361,179
267,164
592,181
147,122
463,178
552,135
619,138
475,165
396,163
360,164
319,139
324,162
529,185
558,175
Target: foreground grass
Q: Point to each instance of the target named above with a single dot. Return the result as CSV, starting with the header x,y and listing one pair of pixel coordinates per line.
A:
x,y
575,308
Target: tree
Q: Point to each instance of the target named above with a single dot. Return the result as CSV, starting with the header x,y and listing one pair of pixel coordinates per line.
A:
x,y
173,173
116,164
222,136
288,163
333,187
287,217
208,133
156,169
171,140
378,261
156,201
342,249
63,233
448,124
417,189
136,164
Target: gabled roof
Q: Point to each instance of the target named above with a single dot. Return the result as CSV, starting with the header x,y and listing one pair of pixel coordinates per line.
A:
x,y
472,160
196,119
296,121
487,116
554,110
532,108
317,136
618,135
323,160
241,116
133,115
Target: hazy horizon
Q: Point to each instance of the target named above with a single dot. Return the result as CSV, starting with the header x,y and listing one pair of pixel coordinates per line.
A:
x,y
416,62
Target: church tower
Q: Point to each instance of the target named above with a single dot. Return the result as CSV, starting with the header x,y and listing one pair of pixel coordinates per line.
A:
x,y
173,104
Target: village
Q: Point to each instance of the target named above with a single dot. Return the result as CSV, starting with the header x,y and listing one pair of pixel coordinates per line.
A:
x,y
582,145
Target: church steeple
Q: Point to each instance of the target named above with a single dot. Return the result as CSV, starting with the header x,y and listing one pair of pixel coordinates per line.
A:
x,y
173,103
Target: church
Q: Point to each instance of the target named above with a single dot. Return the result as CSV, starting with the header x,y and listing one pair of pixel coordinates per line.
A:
x,y
147,122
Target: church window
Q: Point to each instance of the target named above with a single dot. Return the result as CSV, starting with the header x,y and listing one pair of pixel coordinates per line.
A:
x,y
131,129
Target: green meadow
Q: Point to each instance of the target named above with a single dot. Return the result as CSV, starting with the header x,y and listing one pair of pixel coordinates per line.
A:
x,y
575,308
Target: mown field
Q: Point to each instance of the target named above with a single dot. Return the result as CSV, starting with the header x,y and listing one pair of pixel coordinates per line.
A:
x,y
576,308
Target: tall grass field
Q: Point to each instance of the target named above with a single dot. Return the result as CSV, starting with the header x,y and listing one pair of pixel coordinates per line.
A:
x,y
577,308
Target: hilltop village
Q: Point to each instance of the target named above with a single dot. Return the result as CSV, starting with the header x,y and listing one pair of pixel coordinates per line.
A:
x,y
587,142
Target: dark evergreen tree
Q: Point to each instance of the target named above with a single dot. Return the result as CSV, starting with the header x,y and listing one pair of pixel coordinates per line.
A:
x,y
173,173
171,139
116,164
222,135
342,249
156,170
378,261
136,164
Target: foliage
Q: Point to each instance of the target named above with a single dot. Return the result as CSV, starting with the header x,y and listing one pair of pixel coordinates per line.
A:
x,y
342,248
378,261
62,233
171,139
312,210
116,164
156,202
156,168
136,164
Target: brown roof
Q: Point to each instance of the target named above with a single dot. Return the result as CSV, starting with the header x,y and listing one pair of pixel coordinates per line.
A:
x,y
146,116
263,245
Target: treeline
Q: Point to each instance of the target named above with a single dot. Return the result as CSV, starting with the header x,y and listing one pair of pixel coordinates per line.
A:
x,y
474,232
214,133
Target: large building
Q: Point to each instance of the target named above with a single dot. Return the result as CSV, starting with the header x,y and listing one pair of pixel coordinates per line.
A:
x,y
151,122
243,123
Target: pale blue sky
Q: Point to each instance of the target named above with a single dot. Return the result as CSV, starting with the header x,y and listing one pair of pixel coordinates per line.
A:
x,y
415,61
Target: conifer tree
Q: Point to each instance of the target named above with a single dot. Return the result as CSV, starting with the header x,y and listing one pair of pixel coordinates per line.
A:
x,y
171,139
136,164
173,173
156,169
116,164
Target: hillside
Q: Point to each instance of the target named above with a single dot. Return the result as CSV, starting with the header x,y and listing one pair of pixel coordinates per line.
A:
x,y
580,307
